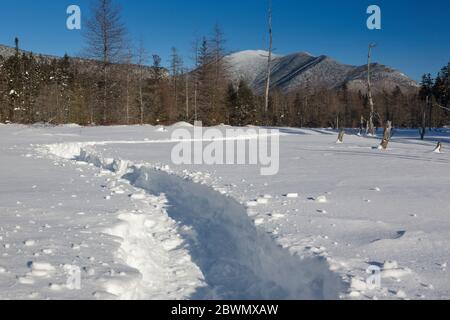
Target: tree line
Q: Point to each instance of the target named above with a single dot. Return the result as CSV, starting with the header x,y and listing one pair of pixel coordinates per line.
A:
x,y
115,84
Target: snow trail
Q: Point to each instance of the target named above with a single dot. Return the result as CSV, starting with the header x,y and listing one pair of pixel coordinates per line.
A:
x,y
237,260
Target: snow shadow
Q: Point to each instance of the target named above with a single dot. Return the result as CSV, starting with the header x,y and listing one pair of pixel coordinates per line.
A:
x,y
237,260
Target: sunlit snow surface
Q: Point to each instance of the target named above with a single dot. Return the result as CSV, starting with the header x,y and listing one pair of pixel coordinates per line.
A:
x,y
110,202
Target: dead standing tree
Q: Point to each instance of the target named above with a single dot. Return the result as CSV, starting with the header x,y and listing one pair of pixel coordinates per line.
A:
x,y
423,128
141,60
387,136
269,61
371,127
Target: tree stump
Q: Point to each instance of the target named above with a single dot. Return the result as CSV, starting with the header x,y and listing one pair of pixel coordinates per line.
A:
x,y
438,148
341,137
387,136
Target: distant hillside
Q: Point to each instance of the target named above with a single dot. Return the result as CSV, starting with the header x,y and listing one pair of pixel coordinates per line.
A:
x,y
7,52
298,70
84,64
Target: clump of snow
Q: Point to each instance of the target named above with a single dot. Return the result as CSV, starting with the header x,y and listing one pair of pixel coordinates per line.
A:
x,y
40,269
292,195
138,196
262,200
358,284
161,129
29,243
389,265
321,199
252,203
182,124
400,294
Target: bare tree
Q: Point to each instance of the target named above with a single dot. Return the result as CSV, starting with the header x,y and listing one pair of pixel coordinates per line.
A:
x,y
195,49
219,76
128,74
105,38
176,68
423,128
269,60
371,127
141,60
186,75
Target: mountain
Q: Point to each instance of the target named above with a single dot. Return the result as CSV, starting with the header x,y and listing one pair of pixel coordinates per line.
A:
x,y
299,70
290,72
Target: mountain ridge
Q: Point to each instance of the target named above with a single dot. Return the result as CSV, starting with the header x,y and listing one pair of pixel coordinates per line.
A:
x,y
292,72
299,70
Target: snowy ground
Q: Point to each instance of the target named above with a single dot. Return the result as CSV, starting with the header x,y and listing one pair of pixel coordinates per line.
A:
x,y
110,202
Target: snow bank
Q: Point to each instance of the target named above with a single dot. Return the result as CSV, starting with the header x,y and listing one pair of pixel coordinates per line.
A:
x,y
70,125
64,150
161,129
182,124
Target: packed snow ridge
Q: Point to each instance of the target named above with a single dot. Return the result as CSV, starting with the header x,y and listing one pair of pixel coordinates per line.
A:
x,y
211,244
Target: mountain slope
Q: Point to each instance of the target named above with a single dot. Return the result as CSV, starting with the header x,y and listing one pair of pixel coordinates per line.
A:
x,y
83,64
7,52
298,70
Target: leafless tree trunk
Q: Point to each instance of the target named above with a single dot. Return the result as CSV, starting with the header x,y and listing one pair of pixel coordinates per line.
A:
x,y
187,95
128,66
105,38
142,57
195,75
423,130
341,136
361,126
269,60
387,135
371,127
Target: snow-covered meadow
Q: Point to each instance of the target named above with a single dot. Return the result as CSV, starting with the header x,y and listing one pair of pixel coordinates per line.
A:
x,y
108,205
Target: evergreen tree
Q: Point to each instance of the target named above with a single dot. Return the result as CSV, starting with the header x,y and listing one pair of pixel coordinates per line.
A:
x,y
241,104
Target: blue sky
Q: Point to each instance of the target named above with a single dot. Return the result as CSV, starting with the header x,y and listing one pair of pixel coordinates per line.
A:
x,y
415,35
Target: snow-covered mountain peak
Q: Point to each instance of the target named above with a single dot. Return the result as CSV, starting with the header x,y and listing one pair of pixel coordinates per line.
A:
x,y
294,71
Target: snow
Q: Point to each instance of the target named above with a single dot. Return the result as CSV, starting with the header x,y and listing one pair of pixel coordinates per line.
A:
x,y
293,71
225,232
181,124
